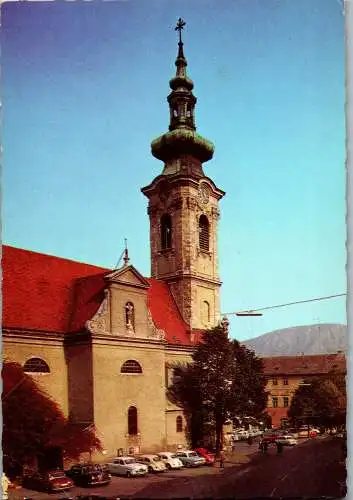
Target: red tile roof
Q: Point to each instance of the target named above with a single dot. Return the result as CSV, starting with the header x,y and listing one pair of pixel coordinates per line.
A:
x,y
304,365
47,293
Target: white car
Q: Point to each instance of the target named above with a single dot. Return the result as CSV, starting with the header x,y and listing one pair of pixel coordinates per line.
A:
x,y
287,440
171,460
190,458
152,462
126,466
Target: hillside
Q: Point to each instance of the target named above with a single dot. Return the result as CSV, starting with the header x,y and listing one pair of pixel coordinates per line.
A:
x,y
308,339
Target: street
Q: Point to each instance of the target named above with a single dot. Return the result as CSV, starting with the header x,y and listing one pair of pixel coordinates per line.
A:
x,y
312,468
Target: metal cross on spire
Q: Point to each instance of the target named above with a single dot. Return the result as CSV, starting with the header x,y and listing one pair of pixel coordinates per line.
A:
x,y
180,26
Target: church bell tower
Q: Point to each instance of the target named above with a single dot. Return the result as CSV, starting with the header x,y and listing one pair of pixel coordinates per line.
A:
x,y
183,208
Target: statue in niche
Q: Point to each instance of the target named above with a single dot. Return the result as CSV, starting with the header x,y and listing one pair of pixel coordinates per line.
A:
x,y
130,317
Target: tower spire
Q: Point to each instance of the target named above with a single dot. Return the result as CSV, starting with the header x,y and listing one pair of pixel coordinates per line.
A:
x,y
182,139
179,27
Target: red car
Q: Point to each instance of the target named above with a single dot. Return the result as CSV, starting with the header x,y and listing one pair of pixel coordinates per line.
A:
x,y
207,455
51,481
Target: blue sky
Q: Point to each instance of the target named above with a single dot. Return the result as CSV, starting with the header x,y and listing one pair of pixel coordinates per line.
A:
x,y
84,92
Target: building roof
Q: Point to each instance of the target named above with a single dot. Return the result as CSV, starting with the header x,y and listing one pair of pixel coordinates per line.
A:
x,y
304,365
51,294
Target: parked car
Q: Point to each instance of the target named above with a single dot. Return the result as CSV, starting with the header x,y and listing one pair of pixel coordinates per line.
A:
x,y
51,481
190,458
89,475
287,440
272,436
126,466
240,435
171,460
207,455
95,496
153,463
304,433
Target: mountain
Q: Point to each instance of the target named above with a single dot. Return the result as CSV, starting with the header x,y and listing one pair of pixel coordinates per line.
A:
x,y
308,339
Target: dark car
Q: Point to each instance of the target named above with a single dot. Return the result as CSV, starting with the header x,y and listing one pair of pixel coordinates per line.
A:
x,y
51,481
89,475
95,497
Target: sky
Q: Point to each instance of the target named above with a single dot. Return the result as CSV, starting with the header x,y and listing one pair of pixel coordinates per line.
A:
x,y
84,87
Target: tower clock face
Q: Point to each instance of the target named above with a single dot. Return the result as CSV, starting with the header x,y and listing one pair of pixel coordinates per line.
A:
x,y
204,194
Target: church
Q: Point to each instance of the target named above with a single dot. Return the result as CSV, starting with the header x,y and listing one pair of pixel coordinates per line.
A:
x,y
103,342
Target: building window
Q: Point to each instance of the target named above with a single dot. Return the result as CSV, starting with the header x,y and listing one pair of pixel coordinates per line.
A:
x,y
205,312
130,316
132,420
274,381
131,366
274,402
166,231
36,365
204,233
179,424
285,381
285,402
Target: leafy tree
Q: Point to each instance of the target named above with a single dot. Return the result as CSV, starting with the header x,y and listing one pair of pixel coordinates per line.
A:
x,y
224,379
318,402
33,423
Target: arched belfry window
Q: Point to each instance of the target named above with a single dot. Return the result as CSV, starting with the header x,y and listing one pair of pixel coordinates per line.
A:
x,y
204,233
36,365
179,424
131,366
132,420
130,316
166,231
206,312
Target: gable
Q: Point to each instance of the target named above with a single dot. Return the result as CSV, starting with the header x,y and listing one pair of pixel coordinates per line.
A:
x,y
128,276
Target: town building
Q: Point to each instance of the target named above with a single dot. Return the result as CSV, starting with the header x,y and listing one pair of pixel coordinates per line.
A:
x,y
103,342
286,373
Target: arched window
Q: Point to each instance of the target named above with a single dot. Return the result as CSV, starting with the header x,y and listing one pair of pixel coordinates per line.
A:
x,y
132,420
131,366
204,233
36,365
179,424
205,312
166,231
130,315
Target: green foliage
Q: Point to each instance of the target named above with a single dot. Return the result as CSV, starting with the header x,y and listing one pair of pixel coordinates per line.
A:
x,y
321,402
32,422
225,379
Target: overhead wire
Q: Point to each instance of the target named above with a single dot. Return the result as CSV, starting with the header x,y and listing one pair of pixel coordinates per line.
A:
x,y
285,305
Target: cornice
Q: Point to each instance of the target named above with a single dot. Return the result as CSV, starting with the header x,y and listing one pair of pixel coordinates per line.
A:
x,y
23,333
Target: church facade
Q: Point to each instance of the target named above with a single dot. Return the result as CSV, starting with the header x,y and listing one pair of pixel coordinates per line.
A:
x,y
103,342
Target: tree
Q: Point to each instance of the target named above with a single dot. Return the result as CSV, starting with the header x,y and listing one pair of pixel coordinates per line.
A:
x,y
318,402
224,379
33,423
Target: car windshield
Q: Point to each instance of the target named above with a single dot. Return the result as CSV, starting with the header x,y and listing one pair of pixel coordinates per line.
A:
x,y
53,475
174,456
129,461
156,459
193,454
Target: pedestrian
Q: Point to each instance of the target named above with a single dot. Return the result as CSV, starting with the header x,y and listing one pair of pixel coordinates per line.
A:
x,y
279,447
264,446
250,440
221,459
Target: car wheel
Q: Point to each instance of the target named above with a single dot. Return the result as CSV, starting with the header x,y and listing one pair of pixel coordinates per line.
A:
x,y
128,474
150,469
168,466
